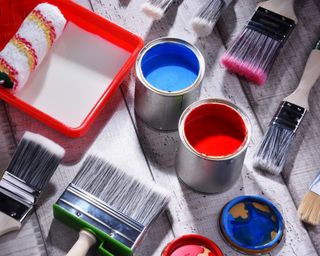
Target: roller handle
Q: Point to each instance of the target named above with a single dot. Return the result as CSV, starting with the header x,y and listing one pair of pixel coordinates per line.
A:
x,y
82,246
310,76
282,7
8,224
5,81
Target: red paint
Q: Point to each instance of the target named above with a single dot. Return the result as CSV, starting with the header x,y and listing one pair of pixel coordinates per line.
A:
x,y
192,245
191,250
215,129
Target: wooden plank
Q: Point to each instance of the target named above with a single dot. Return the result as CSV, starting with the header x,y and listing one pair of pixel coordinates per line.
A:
x,y
303,163
189,211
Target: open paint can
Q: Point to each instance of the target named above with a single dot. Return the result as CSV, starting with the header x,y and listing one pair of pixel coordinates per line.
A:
x,y
214,136
169,73
251,225
192,245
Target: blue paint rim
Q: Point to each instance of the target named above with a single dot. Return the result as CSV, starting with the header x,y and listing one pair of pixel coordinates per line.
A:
x,y
155,42
226,232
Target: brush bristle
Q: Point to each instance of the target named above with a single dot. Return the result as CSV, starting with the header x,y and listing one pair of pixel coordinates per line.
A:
x,y
140,201
273,149
35,160
202,27
252,55
309,209
156,8
207,17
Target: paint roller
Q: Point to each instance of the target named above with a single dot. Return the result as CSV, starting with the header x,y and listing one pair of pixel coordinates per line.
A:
x,y
28,47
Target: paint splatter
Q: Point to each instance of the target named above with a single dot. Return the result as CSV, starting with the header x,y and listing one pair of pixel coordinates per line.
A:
x,y
239,210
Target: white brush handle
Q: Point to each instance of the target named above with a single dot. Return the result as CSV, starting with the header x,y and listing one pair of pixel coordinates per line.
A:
x,y
82,246
282,7
309,78
8,224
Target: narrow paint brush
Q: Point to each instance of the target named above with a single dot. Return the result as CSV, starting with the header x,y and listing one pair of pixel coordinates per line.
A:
x,y
253,52
32,165
272,152
309,209
108,207
156,8
207,17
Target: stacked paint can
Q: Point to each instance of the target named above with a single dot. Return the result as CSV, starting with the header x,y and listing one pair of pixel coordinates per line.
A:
x,y
169,73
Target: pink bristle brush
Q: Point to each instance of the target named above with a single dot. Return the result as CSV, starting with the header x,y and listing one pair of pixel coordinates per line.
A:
x,y
253,52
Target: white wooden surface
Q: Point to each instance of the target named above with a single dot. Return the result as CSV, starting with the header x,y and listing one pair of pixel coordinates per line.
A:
x,y
127,143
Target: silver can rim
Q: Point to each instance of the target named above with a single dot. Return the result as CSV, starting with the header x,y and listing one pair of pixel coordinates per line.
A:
x,y
196,104
155,42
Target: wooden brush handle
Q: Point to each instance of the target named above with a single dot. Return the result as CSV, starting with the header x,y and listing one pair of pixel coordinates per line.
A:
x,y
309,78
282,7
8,224
82,246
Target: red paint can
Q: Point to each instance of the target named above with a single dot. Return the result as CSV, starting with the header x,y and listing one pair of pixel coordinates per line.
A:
x,y
214,136
192,245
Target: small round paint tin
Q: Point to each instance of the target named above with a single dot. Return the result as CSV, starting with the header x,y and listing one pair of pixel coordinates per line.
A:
x,y
169,72
192,245
251,225
214,136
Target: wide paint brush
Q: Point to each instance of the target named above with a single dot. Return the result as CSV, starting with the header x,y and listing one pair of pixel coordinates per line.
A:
x,y
253,52
32,165
108,207
272,152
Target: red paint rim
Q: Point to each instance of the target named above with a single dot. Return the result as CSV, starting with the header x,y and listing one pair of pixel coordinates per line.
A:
x,y
194,239
229,104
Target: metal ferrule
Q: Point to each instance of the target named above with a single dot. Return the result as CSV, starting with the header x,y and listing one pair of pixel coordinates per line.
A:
x,y
95,212
271,24
17,198
289,116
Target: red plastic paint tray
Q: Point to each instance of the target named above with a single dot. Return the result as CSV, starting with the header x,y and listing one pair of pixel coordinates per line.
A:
x,y
81,72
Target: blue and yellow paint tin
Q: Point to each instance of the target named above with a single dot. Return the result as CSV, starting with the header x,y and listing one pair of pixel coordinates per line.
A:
x,y
251,225
169,72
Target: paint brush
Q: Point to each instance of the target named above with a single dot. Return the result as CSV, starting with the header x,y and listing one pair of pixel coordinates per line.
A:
x,y
156,8
253,52
273,149
32,165
204,22
309,209
108,207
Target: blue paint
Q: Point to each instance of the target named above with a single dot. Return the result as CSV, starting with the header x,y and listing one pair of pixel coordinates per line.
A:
x,y
254,232
170,66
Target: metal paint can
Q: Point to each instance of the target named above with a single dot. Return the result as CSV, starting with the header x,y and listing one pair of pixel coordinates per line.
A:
x,y
214,136
169,73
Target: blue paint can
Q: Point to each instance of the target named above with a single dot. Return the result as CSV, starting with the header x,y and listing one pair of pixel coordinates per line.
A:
x,y
169,72
251,225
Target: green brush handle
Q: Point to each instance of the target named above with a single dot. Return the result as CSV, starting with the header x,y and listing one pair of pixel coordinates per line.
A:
x,y
310,76
282,7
